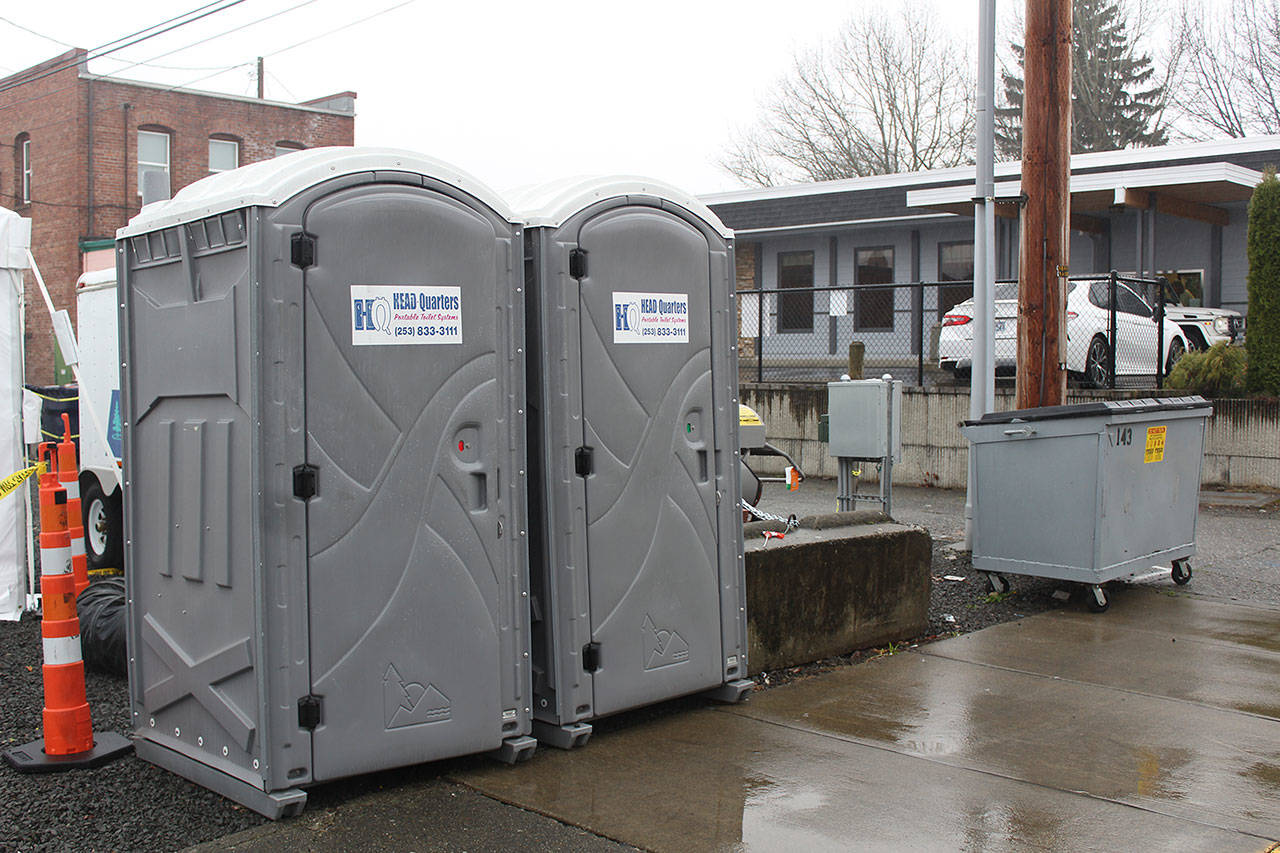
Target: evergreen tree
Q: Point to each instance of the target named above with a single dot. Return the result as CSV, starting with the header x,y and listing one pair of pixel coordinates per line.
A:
x,y
1262,339
1114,103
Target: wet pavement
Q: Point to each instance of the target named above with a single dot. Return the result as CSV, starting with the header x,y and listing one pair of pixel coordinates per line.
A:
x,y
1153,726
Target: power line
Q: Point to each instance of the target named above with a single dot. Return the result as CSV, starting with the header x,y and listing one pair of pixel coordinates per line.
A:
x,y
282,85
132,39
16,25
121,60
221,69
224,70
339,29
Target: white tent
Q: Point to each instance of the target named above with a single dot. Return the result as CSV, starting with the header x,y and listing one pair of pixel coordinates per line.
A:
x,y
15,240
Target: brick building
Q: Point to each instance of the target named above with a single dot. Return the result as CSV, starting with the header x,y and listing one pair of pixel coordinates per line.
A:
x,y
80,141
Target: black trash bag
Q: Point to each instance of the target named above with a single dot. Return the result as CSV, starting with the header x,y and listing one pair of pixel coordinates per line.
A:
x,y
101,612
56,400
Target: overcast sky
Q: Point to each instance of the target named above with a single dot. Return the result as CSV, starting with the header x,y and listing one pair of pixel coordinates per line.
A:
x,y
515,93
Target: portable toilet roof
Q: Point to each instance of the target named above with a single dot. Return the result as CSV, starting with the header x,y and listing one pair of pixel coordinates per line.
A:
x,y
550,204
270,183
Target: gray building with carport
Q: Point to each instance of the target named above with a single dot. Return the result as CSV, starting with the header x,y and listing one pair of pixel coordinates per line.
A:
x,y
1179,211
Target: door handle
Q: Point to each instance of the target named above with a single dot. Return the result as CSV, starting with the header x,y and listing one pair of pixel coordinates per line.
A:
x,y
479,491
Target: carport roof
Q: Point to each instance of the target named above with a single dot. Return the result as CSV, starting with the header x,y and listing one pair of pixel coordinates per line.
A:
x,y
1198,186
1175,170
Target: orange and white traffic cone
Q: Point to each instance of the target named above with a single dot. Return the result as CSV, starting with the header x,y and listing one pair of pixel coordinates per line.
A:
x,y
69,477
68,741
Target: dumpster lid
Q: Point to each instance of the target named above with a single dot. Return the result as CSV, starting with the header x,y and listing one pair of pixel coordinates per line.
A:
x,y
550,204
270,183
1093,409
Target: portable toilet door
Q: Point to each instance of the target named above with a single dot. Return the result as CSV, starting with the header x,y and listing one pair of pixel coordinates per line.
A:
x,y
326,536
636,566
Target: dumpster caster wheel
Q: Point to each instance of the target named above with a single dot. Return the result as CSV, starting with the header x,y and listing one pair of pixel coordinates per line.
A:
x,y
997,582
1181,572
1097,599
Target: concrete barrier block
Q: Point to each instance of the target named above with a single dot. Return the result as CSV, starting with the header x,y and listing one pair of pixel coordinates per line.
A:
x,y
830,591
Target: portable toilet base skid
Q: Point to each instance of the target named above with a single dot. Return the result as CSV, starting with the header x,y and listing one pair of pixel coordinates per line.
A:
x,y
323,405
636,568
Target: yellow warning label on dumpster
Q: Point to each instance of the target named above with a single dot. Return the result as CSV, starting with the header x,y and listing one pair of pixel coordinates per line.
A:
x,y
1155,444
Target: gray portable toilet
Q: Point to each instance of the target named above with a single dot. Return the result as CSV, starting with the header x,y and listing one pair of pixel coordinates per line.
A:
x,y
636,568
322,376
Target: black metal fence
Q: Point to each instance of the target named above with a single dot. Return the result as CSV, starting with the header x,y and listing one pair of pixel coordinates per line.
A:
x,y
922,332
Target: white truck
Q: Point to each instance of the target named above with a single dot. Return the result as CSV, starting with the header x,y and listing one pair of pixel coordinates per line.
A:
x,y
100,388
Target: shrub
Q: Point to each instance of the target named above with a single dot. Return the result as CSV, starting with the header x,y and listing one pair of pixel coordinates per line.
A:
x,y
1216,372
1263,339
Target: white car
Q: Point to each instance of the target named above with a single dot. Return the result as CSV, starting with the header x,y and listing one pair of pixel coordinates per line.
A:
x,y
1205,327
1088,322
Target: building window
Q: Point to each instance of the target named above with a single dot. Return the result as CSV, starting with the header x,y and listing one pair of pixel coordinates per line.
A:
x,y
224,155
22,169
795,310
153,155
283,148
873,307
955,263
26,171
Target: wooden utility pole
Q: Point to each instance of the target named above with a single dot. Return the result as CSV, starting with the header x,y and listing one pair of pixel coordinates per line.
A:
x,y
261,83
1046,174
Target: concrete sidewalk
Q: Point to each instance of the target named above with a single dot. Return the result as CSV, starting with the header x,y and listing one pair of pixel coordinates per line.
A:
x,y
1155,726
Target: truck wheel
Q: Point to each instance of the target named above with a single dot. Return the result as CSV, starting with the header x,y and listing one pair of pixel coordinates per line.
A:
x,y
103,528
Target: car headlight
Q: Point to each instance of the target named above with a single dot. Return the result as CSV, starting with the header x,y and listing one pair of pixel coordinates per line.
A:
x,y
1222,325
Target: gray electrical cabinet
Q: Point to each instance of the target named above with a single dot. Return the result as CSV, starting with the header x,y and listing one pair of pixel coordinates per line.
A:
x,y
636,565
323,403
1090,493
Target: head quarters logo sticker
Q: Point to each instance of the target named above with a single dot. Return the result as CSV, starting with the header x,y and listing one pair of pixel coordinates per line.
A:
x,y
650,318
401,314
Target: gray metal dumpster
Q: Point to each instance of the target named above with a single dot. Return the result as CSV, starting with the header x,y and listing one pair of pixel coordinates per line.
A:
x,y
325,537
636,561
1088,493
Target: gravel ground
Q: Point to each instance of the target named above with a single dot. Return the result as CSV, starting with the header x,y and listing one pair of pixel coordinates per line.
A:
x,y
126,805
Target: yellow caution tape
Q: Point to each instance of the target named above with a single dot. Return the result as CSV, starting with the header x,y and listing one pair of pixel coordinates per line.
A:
x,y
10,483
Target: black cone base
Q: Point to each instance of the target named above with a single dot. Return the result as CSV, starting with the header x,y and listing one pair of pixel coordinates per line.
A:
x,y
30,757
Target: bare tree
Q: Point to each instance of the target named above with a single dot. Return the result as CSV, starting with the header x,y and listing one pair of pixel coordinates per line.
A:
x,y
889,94
1231,76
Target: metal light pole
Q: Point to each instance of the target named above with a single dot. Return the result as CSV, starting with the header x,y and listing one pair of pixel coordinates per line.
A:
x,y
982,383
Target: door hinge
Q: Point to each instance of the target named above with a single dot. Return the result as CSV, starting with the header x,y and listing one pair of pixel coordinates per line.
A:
x,y
578,264
304,481
310,712
303,250
582,459
591,657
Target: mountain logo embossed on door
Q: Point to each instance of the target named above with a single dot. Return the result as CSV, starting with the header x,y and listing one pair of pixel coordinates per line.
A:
x,y
408,703
662,647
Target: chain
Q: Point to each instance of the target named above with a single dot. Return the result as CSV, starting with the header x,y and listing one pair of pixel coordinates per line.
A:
x,y
790,521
